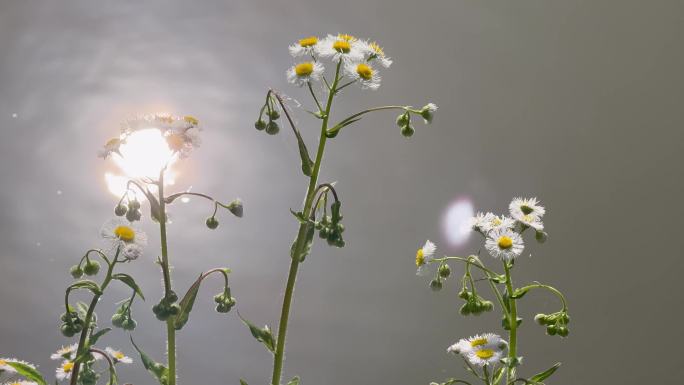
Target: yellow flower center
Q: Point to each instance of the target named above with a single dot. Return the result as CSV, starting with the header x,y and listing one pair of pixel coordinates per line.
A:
x,y
485,354
377,49
365,71
496,221
528,218
346,37
118,355
112,142
420,257
67,366
304,69
342,46
308,41
165,118
3,362
125,233
175,142
478,342
505,242
15,383
191,119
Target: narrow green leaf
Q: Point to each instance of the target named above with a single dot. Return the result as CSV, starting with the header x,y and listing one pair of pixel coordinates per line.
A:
x,y
159,371
262,335
96,336
186,305
112,376
545,374
87,285
155,207
294,381
128,280
299,215
29,372
307,163
243,382
497,375
309,230
519,293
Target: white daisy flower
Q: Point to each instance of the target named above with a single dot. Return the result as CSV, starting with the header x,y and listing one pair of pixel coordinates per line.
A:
x,y
131,252
340,47
112,146
364,73
63,372
521,207
480,222
119,233
65,352
373,53
181,132
424,255
305,72
182,140
305,46
480,350
118,356
428,112
504,243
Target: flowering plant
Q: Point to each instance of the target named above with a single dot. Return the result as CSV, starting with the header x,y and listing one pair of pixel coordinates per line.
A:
x,y
355,62
489,357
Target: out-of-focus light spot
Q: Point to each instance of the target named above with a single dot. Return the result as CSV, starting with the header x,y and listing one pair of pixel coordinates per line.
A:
x,y
117,186
15,115
143,155
456,221
185,199
59,192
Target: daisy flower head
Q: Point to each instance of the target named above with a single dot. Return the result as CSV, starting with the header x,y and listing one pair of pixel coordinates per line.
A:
x,y
340,47
131,251
305,72
485,349
424,255
119,233
522,207
64,370
502,222
428,112
364,73
504,243
65,353
118,356
481,222
305,46
181,132
374,53
112,146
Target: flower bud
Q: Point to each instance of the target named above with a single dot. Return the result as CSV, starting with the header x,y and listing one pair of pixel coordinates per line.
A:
x,y
133,215
487,306
563,331
551,330
272,128
76,271
403,119
541,236
436,284
118,319
212,223
174,309
91,267
464,294
67,331
129,324
133,205
120,210
408,131
428,112
444,271
274,115
235,207
260,125
541,319
465,309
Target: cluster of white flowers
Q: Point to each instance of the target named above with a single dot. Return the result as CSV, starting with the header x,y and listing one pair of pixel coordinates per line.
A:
x,y
480,350
181,133
359,59
503,233
125,236
68,354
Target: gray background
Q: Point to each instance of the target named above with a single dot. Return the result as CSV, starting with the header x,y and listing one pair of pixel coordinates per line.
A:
x,y
577,102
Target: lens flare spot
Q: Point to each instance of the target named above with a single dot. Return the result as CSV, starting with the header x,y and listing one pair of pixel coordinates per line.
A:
x,y
456,222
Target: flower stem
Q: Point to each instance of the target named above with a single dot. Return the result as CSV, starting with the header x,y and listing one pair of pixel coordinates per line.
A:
x,y
301,239
89,317
170,328
513,324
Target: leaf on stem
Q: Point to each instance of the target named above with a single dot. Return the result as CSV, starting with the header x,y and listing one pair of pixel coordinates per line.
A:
x,y
128,280
88,285
545,374
186,304
262,335
27,371
307,163
96,336
294,381
159,371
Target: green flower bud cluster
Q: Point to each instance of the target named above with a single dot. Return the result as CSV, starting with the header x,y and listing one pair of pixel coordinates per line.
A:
x,y
224,302
88,376
167,307
132,211
71,323
271,127
122,317
556,323
330,227
91,267
475,304
404,122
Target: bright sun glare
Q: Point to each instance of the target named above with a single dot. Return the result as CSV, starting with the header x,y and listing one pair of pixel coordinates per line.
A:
x,y
144,154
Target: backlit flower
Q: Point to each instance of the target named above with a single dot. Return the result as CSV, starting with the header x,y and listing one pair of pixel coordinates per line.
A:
x,y
112,146
120,233
424,255
304,72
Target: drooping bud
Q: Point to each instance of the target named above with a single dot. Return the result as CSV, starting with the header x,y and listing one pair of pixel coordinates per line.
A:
x,y
272,128
428,112
444,271
274,115
212,223
403,119
541,236
76,271
408,130
235,207
436,284
91,267
260,125
120,210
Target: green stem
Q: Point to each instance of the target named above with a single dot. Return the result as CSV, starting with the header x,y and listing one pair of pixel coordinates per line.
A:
x,y
170,328
339,125
513,324
301,240
89,317
549,288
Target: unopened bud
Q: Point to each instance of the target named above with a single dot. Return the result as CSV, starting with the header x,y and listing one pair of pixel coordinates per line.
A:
x,y
444,271
436,284
408,130
91,268
272,128
76,271
120,210
212,223
260,125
